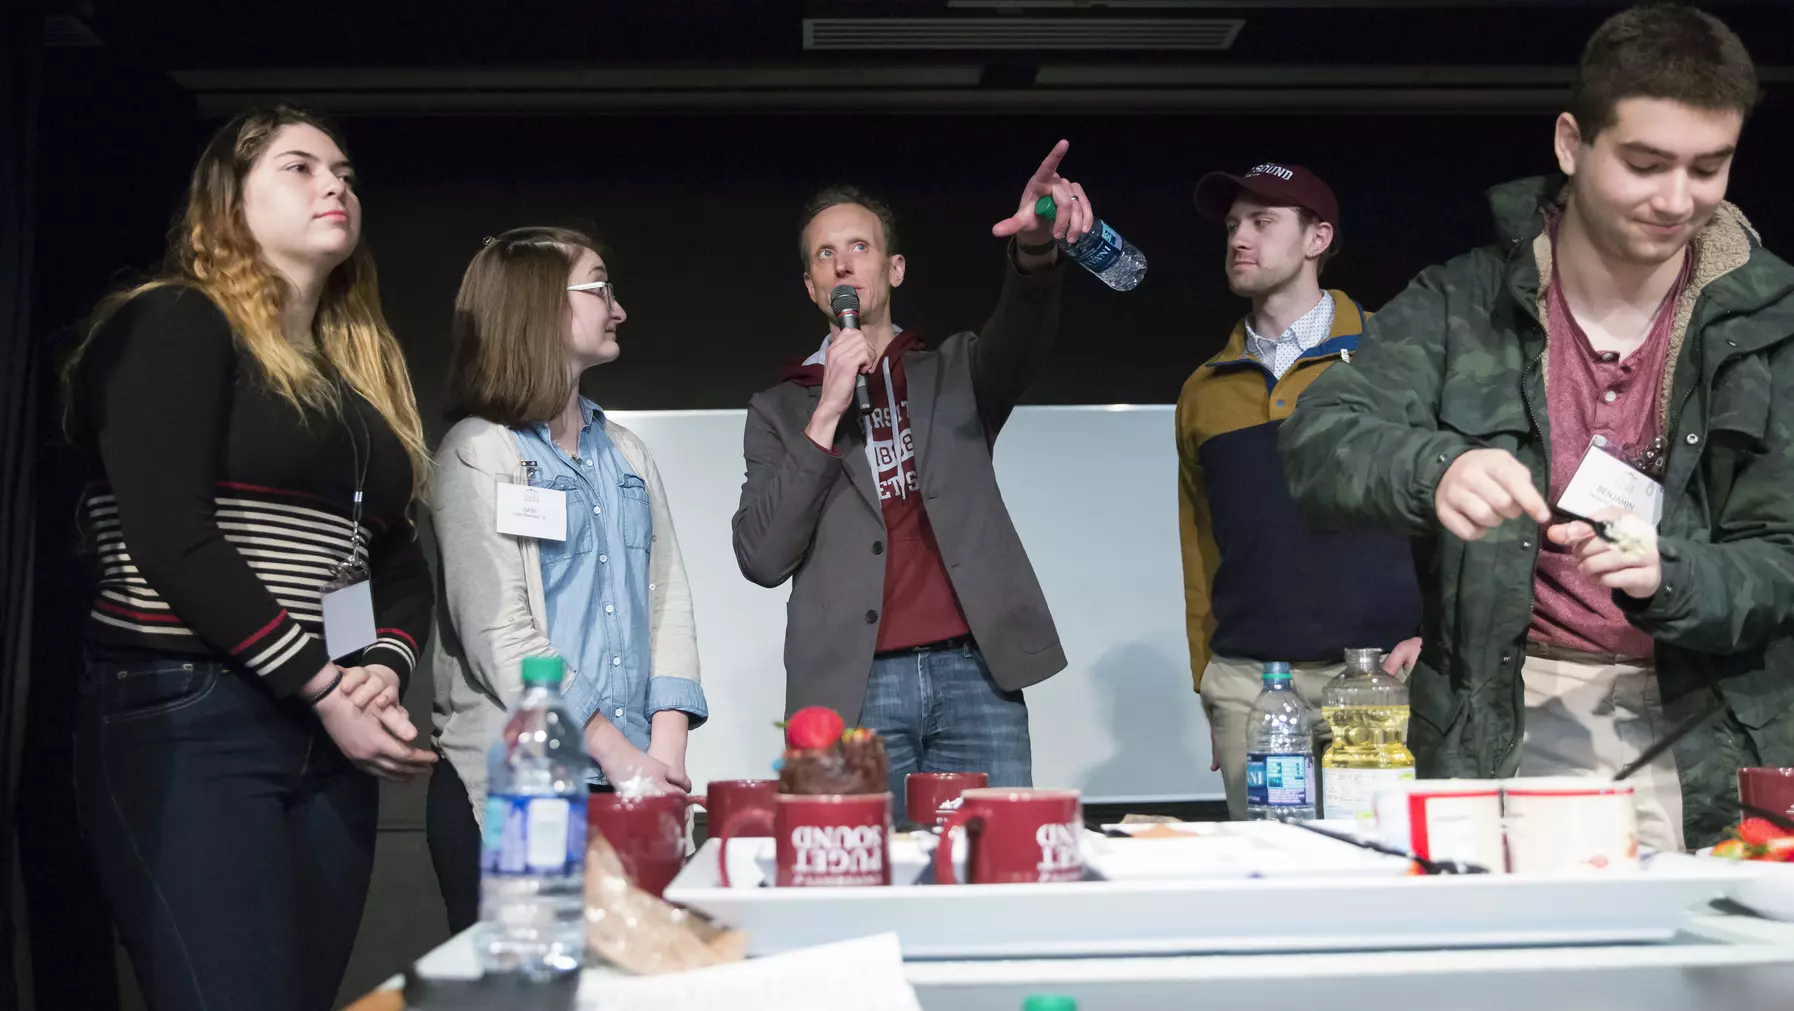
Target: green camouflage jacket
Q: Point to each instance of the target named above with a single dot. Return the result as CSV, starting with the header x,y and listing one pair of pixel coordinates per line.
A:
x,y
1456,362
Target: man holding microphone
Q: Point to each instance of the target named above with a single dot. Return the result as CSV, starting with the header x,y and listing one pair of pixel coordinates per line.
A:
x,y
914,611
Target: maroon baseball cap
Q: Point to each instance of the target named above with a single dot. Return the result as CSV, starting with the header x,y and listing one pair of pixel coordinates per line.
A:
x,y
1276,184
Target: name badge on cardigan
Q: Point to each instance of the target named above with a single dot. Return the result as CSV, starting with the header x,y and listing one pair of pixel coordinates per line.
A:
x,y
527,511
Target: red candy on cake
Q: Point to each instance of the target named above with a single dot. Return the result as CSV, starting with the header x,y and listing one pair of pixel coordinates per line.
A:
x,y
813,727
823,757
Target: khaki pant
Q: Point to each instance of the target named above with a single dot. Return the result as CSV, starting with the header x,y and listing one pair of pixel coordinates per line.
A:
x,y
1229,687
1586,713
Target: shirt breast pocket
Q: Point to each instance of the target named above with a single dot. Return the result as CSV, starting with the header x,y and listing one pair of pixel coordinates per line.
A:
x,y
635,517
582,538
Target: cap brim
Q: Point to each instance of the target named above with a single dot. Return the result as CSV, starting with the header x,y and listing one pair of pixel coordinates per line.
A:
x,y
1215,193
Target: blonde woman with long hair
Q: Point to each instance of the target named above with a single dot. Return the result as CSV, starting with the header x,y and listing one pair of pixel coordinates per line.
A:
x,y
253,439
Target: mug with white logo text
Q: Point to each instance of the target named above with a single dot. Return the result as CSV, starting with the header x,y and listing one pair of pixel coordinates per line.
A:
x,y
827,841
1015,836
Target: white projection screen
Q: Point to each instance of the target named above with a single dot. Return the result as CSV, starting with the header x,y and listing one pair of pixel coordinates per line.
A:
x,y
1092,490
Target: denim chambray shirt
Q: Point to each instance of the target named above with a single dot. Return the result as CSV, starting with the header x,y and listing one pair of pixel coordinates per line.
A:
x,y
596,583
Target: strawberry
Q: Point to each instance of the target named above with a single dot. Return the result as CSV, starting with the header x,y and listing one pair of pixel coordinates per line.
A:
x,y
1758,832
1730,849
1780,849
813,727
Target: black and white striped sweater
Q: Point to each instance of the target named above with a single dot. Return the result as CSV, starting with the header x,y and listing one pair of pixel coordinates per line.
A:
x,y
219,510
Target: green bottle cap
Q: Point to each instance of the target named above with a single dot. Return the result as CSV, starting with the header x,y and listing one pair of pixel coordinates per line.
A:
x,y
542,670
1050,1002
1045,207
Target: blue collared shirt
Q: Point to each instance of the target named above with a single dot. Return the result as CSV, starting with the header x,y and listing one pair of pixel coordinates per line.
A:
x,y
596,582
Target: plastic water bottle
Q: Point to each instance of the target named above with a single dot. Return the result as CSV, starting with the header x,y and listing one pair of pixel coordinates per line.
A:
x,y
533,848
1368,711
1279,752
1102,251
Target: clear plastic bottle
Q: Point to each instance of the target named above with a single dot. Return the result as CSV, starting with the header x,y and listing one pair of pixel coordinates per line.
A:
x,y
1279,752
1368,711
533,848
1102,251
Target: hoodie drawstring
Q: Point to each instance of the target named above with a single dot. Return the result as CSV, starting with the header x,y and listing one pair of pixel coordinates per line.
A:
x,y
896,436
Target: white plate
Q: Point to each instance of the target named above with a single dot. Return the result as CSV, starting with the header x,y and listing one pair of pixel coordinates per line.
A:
x,y
1202,915
1231,850
1168,859
1343,826
1767,891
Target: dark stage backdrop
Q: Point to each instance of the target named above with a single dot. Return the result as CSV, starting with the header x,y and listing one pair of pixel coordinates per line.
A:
x,y
700,216
700,219
21,62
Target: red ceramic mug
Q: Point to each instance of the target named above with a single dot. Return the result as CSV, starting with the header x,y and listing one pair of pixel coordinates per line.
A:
x,y
925,792
648,834
827,841
1015,836
725,797
1771,789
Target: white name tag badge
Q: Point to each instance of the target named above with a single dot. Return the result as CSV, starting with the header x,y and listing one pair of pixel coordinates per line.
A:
x,y
348,619
528,511
1602,481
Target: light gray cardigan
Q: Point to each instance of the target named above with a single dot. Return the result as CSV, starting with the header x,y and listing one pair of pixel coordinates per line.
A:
x,y
491,611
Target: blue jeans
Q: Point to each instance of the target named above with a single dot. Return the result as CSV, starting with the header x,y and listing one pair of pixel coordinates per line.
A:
x,y
939,711
234,841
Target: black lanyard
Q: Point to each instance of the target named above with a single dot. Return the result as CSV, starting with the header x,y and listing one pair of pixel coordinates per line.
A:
x,y
352,569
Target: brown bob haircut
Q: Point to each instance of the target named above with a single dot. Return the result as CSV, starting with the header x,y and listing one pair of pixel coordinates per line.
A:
x,y
508,362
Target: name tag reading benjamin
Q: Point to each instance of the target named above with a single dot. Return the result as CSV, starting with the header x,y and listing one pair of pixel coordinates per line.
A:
x,y
527,511
1602,481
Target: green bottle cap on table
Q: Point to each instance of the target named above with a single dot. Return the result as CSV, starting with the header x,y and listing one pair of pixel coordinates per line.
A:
x,y
1045,207
542,670
1050,1002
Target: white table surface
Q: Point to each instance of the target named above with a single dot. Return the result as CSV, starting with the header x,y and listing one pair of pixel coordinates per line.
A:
x,y
1720,960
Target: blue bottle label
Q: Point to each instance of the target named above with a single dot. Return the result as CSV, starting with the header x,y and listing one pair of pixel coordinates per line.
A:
x,y
1098,250
526,836
1279,780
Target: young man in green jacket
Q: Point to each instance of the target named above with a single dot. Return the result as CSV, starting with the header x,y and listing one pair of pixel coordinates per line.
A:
x,y
1626,348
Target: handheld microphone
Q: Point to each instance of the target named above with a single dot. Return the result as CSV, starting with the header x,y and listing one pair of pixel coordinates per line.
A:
x,y
846,305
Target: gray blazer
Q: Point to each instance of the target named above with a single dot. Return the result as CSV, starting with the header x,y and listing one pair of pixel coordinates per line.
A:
x,y
808,515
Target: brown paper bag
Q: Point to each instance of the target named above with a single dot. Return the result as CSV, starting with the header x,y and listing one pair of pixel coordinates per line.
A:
x,y
642,934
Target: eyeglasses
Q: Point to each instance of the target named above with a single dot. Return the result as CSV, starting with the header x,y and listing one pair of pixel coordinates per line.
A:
x,y
603,289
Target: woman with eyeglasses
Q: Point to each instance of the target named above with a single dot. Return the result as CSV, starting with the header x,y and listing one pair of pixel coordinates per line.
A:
x,y
536,310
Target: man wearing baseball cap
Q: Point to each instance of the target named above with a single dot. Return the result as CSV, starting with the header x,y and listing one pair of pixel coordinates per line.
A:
x,y
1258,585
